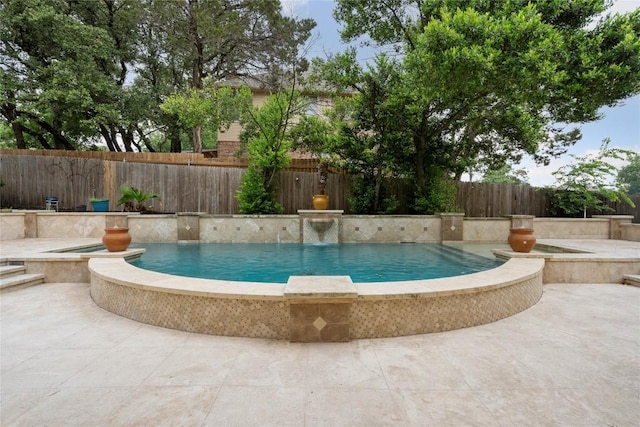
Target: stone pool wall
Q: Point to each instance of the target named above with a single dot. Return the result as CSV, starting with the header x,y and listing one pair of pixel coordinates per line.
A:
x,y
315,308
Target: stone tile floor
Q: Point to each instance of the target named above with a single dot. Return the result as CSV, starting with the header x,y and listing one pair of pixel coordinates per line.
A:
x,y
573,359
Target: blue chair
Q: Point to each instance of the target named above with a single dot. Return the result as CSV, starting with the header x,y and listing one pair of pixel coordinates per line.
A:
x,y
51,203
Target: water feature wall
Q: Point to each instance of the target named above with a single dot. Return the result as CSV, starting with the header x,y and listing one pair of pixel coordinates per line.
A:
x,y
321,226
193,226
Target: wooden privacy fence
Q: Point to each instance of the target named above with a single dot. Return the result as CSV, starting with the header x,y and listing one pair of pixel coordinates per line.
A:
x,y
191,187
182,188
495,200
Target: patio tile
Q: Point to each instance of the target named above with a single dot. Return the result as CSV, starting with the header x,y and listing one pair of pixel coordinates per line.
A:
x,y
346,365
258,406
422,368
455,408
193,366
163,406
270,364
120,367
335,407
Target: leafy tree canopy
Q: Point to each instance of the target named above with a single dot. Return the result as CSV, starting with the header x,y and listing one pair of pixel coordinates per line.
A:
x,y
589,181
505,175
485,83
75,72
629,175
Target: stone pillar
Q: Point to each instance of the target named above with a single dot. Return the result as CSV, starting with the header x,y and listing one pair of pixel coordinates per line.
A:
x,y
319,308
452,226
522,221
30,225
615,224
188,226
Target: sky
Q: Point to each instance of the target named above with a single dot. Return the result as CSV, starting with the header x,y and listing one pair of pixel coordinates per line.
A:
x,y
621,124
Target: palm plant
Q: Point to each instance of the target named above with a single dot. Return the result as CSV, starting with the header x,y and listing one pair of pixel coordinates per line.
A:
x,y
134,199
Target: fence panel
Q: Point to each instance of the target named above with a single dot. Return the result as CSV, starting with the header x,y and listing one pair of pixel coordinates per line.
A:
x,y
30,178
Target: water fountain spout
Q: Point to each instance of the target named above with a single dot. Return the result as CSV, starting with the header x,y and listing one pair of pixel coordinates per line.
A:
x,y
321,225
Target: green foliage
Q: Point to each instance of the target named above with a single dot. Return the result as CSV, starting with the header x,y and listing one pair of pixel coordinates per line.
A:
x,y
366,131
439,196
483,83
212,107
268,142
505,175
588,182
76,72
254,197
133,198
629,175
365,198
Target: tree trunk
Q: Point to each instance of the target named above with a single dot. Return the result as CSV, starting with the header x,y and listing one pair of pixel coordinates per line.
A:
x,y
197,139
197,68
10,112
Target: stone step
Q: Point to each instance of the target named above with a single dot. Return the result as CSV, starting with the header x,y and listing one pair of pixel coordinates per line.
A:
x,y
22,281
11,270
632,279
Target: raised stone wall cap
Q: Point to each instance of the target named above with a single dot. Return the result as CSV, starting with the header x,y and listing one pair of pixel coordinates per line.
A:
x,y
331,287
320,212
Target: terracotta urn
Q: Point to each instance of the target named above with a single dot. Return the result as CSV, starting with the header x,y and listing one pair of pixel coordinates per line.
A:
x,y
522,239
116,239
320,202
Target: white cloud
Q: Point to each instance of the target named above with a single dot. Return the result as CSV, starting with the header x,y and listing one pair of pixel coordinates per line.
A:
x,y
623,6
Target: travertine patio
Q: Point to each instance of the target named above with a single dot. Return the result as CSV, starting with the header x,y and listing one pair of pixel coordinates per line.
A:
x,y
572,359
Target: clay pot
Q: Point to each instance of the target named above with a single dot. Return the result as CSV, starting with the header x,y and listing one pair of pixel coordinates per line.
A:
x,y
116,239
320,202
522,239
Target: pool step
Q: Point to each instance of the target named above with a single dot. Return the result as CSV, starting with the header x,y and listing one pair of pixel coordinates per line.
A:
x,y
14,277
632,279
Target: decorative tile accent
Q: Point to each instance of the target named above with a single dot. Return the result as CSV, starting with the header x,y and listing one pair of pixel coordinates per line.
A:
x,y
319,323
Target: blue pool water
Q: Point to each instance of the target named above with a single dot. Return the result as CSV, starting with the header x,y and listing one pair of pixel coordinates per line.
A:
x,y
274,263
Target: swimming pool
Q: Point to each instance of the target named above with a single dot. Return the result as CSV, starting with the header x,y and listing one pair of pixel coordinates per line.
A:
x,y
274,263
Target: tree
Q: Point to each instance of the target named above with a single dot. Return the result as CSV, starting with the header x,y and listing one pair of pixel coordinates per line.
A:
x,y
268,142
212,107
505,175
101,69
54,88
218,39
367,136
588,181
490,81
629,175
